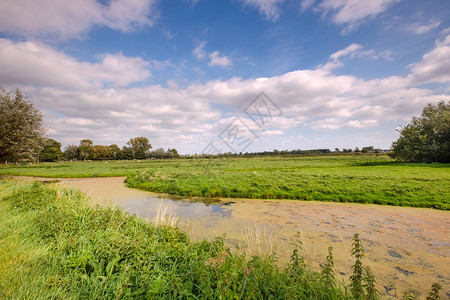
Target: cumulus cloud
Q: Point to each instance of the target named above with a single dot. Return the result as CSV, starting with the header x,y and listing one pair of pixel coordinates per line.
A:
x,y
269,8
219,60
188,117
33,63
434,66
350,13
216,59
68,19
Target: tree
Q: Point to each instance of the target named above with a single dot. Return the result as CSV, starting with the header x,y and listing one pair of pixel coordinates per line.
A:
x,y
85,150
21,128
176,154
138,147
100,152
367,149
114,151
70,152
427,138
52,151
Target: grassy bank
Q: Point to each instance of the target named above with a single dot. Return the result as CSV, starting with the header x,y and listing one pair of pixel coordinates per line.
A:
x,y
354,179
343,178
54,246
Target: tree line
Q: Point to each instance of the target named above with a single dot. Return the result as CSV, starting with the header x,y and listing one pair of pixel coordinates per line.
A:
x,y
135,148
22,139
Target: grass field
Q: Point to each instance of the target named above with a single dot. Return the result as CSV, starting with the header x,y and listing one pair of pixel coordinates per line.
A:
x,y
55,246
343,178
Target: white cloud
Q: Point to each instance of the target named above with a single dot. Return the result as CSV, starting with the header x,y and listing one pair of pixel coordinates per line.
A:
x,y
350,13
351,51
33,63
419,28
273,132
215,58
218,60
269,8
434,66
307,4
200,51
187,118
68,19
340,123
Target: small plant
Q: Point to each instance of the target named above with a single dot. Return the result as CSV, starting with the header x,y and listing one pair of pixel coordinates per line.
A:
x,y
434,293
328,275
356,279
369,285
297,262
410,295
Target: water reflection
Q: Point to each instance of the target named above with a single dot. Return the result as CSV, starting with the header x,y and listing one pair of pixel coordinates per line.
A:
x,y
150,207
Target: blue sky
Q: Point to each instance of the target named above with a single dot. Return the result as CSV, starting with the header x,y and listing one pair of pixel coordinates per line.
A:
x,y
344,73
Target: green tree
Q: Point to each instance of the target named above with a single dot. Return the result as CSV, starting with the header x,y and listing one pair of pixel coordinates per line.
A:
x,y
138,147
427,138
70,152
85,150
51,151
100,152
114,151
175,152
21,128
367,149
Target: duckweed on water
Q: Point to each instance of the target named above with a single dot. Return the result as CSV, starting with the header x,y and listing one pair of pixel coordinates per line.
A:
x,y
55,246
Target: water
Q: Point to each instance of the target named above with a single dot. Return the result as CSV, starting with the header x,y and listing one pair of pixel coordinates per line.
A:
x,y
406,247
149,207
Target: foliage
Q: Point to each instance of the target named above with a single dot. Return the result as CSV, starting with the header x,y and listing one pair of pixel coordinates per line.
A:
x,y
114,151
161,154
101,152
345,178
434,293
86,149
70,152
356,279
362,280
427,138
21,128
369,284
137,147
51,151
328,274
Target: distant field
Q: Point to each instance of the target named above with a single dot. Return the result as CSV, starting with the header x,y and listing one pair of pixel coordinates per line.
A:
x,y
345,178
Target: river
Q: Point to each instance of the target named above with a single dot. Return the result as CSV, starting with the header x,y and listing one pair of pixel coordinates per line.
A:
x,y
406,248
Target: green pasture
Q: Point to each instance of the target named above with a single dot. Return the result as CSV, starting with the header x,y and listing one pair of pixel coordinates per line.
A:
x,y
340,178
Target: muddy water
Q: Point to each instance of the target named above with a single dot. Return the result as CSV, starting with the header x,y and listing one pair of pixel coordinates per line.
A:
x,y
406,248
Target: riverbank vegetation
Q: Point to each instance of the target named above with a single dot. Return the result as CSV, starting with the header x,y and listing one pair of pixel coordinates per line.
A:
x,y
356,179
54,245
340,178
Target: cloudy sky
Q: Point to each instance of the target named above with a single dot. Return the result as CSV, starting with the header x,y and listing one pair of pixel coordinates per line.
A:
x,y
336,73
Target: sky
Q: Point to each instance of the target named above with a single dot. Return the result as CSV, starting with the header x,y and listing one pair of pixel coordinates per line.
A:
x,y
208,76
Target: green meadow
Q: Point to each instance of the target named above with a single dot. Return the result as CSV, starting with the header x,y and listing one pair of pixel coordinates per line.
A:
x,y
339,178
